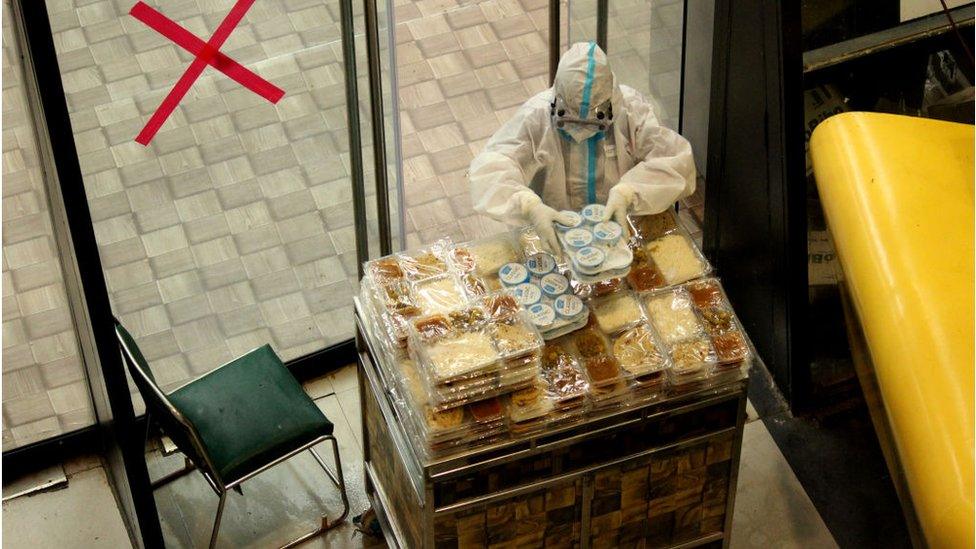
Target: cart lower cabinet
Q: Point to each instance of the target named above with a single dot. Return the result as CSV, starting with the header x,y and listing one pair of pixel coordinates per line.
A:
x,y
658,475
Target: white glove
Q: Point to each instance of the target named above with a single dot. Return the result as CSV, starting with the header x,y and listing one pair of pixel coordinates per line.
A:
x,y
619,202
542,217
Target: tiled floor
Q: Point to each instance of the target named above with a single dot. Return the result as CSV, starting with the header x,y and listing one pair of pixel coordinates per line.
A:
x,y
771,507
45,393
83,514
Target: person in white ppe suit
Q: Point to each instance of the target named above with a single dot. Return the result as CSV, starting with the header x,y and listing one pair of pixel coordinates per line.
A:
x,y
584,140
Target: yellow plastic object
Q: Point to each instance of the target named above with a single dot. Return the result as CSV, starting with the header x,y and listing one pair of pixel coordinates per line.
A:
x,y
898,195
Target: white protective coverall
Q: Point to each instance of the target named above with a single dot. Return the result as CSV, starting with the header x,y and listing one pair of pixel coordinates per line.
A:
x,y
635,166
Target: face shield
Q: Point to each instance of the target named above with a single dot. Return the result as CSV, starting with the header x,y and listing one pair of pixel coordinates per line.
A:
x,y
569,122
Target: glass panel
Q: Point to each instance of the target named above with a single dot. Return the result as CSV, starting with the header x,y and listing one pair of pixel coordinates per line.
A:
x,y
643,46
464,68
45,390
234,227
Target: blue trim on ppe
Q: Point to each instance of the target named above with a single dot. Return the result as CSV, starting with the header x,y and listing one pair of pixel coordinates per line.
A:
x,y
591,144
588,83
565,135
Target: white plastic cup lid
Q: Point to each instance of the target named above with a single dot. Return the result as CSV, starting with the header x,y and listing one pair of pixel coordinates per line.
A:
x,y
577,220
542,315
593,213
607,231
540,264
578,238
513,274
527,294
554,284
590,256
568,306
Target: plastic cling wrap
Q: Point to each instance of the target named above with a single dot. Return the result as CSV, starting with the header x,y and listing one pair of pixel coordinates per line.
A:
x,y
617,311
677,258
721,325
649,227
638,352
595,249
672,316
426,262
438,294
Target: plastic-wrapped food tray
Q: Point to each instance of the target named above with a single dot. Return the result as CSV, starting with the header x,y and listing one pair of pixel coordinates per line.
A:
x,y
639,352
617,312
664,253
596,250
489,254
529,409
597,361
426,262
438,294
389,285
721,324
673,316
566,383
511,375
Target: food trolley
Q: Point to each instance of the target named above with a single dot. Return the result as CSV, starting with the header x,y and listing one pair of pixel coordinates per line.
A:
x,y
658,474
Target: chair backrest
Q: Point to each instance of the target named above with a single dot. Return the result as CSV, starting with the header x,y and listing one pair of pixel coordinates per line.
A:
x,y
174,424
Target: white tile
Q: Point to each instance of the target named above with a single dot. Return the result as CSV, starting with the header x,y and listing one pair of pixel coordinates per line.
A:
x,y
82,515
318,387
771,507
344,378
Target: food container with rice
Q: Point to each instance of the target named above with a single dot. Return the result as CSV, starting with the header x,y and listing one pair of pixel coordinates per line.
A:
x,y
617,311
677,258
438,294
491,253
672,315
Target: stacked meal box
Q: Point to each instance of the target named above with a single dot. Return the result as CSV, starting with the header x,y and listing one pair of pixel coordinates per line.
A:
x,y
478,356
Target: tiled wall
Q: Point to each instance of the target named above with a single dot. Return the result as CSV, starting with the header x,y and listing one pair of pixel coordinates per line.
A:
x,y
233,228
45,391
465,67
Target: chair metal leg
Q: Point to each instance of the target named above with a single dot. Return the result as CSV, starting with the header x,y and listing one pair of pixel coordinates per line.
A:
x,y
220,513
188,467
340,483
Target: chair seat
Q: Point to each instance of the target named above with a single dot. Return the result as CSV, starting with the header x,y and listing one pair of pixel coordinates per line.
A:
x,y
249,412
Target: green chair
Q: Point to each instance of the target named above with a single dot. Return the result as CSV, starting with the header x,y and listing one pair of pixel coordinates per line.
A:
x,y
235,422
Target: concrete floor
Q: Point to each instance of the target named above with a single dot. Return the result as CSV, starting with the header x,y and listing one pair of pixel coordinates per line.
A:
x,y
772,508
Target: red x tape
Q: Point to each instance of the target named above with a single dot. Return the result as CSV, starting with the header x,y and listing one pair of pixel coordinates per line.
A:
x,y
207,53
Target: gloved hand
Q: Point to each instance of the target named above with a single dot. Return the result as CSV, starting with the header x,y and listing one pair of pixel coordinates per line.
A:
x,y
542,217
619,202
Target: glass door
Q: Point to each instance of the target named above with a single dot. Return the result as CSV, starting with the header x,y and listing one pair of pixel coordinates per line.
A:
x,y
231,226
643,44
464,68
212,185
